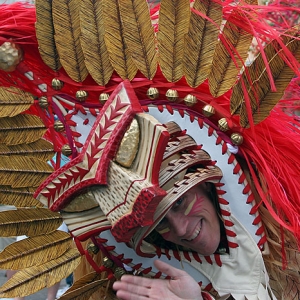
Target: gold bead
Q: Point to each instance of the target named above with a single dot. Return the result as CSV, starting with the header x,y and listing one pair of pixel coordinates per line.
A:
x,y
208,110
190,100
92,248
66,150
81,95
43,102
223,124
152,93
119,272
237,139
10,56
57,84
59,126
103,98
172,95
107,263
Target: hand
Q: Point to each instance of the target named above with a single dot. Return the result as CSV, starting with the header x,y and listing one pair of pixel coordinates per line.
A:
x,y
181,286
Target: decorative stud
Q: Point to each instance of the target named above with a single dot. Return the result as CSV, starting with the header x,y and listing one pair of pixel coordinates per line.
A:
x,y
172,95
107,263
10,56
59,126
152,93
57,84
66,150
81,95
237,139
223,124
43,102
103,98
190,100
208,110
92,248
119,272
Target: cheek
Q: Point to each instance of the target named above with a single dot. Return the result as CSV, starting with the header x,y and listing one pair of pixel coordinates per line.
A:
x,y
195,206
166,235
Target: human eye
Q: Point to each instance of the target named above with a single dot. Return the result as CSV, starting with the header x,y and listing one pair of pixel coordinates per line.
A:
x,y
178,203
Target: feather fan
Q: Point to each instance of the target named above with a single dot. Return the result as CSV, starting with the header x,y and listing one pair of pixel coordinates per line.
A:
x,y
14,101
173,26
21,171
33,279
119,54
92,41
45,34
22,197
28,221
139,35
201,41
21,129
35,250
67,38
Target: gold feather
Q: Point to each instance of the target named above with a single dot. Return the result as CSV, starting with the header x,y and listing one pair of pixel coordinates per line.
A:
x,y
14,101
201,41
139,35
262,99
33,279
45,34
22,197
21,171
119,54
21,129
28,221
225,69
67,38
41,149
92,41
35,250
173,26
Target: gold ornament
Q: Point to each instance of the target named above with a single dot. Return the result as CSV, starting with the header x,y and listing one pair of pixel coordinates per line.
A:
x,y
103,98
59,126
172,95
66,150
237,139
92,248
152,93
43,102
190,100
57,84
81,95
107,263
10,56
119,272
208,110
223,124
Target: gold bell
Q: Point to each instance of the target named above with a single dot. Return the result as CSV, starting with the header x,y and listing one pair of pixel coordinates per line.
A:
x,y
237,139
59,126
81,95
119,272
103,98
107,263
92,248
152,93
57,84
208,110
10,56
223,124
172,95
190,100
43,102
66,150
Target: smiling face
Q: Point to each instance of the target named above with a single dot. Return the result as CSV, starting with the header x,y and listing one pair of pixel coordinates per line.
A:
x,y
192,222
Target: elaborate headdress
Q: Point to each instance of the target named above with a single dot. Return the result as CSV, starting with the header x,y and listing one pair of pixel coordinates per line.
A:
x,y
132,96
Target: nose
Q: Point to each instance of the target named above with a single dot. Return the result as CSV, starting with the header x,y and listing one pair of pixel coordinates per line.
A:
x,y
177,223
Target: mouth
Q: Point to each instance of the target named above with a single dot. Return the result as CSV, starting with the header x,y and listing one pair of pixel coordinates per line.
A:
x,y
195,234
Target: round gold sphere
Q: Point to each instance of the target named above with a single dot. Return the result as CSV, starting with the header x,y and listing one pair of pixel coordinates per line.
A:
x,y
43,102
190,100
223,124
57,84
66,150
81,95
237,139
172,95
59,126
10,56
208,110
108,263
119,272
103,98
152,93
92,248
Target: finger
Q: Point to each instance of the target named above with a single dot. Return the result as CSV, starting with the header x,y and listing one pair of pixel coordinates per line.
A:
x,y
168,269
137,280
124,295
130,291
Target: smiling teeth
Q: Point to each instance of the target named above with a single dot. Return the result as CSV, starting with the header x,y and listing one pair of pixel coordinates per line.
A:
x,y
195,234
